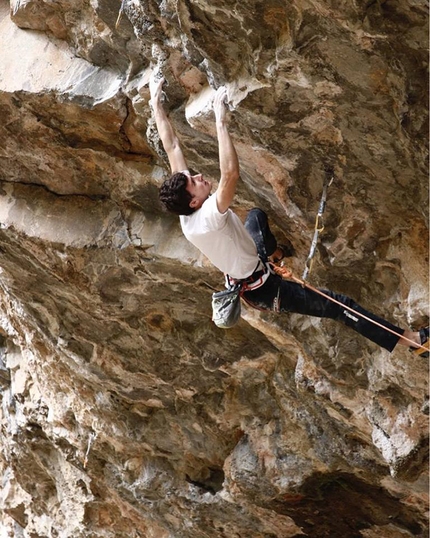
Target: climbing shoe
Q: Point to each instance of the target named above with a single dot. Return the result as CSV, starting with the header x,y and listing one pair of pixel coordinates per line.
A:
x,y
287,251
423,351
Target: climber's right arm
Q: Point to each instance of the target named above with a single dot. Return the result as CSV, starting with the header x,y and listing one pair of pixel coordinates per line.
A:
x,y
165,130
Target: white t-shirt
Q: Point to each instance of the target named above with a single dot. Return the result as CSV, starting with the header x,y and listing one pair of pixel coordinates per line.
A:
x,y
222,238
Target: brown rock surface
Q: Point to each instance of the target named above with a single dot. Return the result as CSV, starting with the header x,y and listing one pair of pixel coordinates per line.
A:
x,y
124,411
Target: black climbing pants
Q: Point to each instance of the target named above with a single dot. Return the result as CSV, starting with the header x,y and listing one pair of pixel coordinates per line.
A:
x,y
281,295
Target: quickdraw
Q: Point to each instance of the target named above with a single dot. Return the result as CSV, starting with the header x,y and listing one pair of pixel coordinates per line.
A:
x,y
121,11
319,224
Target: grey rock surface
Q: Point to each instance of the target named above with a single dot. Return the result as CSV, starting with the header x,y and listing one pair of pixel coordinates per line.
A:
x,y
124,411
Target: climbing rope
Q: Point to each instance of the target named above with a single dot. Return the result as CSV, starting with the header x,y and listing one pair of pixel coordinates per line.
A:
x,y
285,273
319,224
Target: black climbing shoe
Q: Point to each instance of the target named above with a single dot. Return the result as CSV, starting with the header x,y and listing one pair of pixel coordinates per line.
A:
x,y
287,251
424,350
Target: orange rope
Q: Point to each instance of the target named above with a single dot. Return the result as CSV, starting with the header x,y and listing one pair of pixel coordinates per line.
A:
x,y
287,274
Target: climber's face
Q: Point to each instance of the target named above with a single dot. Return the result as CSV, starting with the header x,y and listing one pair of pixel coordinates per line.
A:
x,y
199,189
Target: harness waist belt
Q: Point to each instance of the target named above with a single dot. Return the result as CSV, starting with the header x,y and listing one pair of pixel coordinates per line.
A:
x,y
254,281
256,276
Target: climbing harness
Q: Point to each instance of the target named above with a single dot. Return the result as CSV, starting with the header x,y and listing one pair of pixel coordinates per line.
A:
x,y
319,224
226,306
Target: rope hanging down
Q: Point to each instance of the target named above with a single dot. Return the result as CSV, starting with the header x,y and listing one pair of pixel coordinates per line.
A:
x,y
319,224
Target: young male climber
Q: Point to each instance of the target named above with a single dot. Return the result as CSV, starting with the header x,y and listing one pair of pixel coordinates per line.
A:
x,y
242,251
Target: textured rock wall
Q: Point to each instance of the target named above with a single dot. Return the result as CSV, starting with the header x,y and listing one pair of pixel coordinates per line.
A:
x,y
124,411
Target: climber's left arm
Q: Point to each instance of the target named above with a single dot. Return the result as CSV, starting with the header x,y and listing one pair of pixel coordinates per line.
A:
x,y
228,161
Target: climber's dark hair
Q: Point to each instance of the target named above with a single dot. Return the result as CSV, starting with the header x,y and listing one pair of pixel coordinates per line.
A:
x,y
174,195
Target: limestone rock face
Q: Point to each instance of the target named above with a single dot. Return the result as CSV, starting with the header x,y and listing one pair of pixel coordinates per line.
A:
x,y
124,411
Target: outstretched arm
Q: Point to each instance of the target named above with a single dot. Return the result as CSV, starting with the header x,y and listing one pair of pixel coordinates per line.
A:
x,y
228,161
165,130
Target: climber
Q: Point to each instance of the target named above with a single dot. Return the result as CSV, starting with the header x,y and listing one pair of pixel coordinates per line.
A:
x,y
242,252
